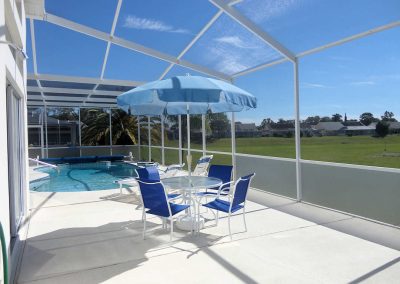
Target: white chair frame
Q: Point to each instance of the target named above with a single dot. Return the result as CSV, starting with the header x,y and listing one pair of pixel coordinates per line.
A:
x,y
201,169
163,218
230,199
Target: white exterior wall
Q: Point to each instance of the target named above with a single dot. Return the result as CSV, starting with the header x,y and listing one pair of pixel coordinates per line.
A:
x,y
12,28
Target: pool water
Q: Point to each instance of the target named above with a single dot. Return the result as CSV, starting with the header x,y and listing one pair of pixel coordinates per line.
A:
x,y
83,177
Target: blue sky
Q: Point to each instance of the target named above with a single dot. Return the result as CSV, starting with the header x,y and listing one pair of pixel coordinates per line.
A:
x,y
363,75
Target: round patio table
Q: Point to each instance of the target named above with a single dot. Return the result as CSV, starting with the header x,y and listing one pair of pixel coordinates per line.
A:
x,y
189,186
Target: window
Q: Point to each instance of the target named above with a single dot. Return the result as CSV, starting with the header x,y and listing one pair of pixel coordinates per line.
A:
x,y
62,127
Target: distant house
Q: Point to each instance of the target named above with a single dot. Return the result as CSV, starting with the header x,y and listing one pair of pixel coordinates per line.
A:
x,y
285,129
330,128
247,130
394,127
352,123
360,130
278,129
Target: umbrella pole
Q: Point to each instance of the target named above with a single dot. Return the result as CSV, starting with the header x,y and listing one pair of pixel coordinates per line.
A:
x,y
189,156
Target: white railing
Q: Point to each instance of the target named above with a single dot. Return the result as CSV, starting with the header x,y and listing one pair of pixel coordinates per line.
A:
x,y
38,162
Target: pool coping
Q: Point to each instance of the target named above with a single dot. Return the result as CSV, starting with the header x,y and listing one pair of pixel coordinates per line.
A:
x,y
36,175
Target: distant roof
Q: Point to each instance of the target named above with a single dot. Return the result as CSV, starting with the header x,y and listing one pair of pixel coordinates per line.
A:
x,y
329,126
360,127
245,126
288,125
352,123
394,125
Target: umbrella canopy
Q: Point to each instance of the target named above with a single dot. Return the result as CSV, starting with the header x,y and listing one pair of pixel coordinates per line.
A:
x,y
185,94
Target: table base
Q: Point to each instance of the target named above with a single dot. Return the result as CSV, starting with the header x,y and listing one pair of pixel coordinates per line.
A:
x,y
187,222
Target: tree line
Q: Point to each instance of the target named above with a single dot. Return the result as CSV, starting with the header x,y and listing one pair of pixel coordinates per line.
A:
x,y
365,118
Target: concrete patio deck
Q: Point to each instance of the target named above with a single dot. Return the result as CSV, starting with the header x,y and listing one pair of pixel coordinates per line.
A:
x,y
95,237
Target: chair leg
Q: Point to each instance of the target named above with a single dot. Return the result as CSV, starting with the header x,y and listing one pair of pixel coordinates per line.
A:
x,y
198,209
229,225
196,218
143,214
144,226
172,229
244,220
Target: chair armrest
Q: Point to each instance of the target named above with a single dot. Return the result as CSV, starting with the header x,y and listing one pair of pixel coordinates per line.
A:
x,y
175,167
172,167
174,198
222,185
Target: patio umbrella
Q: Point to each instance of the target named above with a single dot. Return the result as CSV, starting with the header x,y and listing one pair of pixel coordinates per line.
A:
x,y
185,95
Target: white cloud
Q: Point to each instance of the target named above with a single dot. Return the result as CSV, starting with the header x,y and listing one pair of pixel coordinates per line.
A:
x,y
260,11
236,42
229,48
313,85
227,61
134,22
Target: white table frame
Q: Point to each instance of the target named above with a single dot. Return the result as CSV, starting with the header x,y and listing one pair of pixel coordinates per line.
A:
x,y
190,221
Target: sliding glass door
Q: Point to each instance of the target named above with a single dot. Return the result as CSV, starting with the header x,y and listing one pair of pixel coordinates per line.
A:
x,y
16,164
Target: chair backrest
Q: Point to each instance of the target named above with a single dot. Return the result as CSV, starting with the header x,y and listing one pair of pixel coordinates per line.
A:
x,y
148,173
202,166
241,188
223,172
154,196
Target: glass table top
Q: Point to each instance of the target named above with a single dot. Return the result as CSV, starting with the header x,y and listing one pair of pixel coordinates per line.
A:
x,y
192,183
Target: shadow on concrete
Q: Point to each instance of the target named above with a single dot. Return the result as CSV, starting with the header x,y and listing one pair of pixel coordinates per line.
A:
x,y
96,254
78,250
37,208
371,231
131,198
375,271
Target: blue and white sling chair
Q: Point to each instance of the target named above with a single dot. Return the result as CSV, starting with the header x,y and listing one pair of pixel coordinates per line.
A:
x,y
236,201
155,201
151,173
222,172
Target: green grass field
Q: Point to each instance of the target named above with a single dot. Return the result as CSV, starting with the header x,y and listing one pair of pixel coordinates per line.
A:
x,y
361,150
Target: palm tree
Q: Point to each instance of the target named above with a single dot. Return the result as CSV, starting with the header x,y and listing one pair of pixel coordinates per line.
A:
x,y
96,128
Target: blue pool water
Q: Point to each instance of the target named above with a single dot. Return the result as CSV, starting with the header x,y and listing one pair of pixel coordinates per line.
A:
x,y
83,177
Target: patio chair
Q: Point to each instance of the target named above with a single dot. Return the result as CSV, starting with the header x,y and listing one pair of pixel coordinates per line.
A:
x,y
222,172
155,200
151,173
236,202
202,166
170,171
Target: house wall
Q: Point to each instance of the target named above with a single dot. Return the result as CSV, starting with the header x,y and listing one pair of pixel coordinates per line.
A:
x,y
12,71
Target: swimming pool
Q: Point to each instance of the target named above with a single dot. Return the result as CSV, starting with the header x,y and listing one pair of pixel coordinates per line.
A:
x,y
83,177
